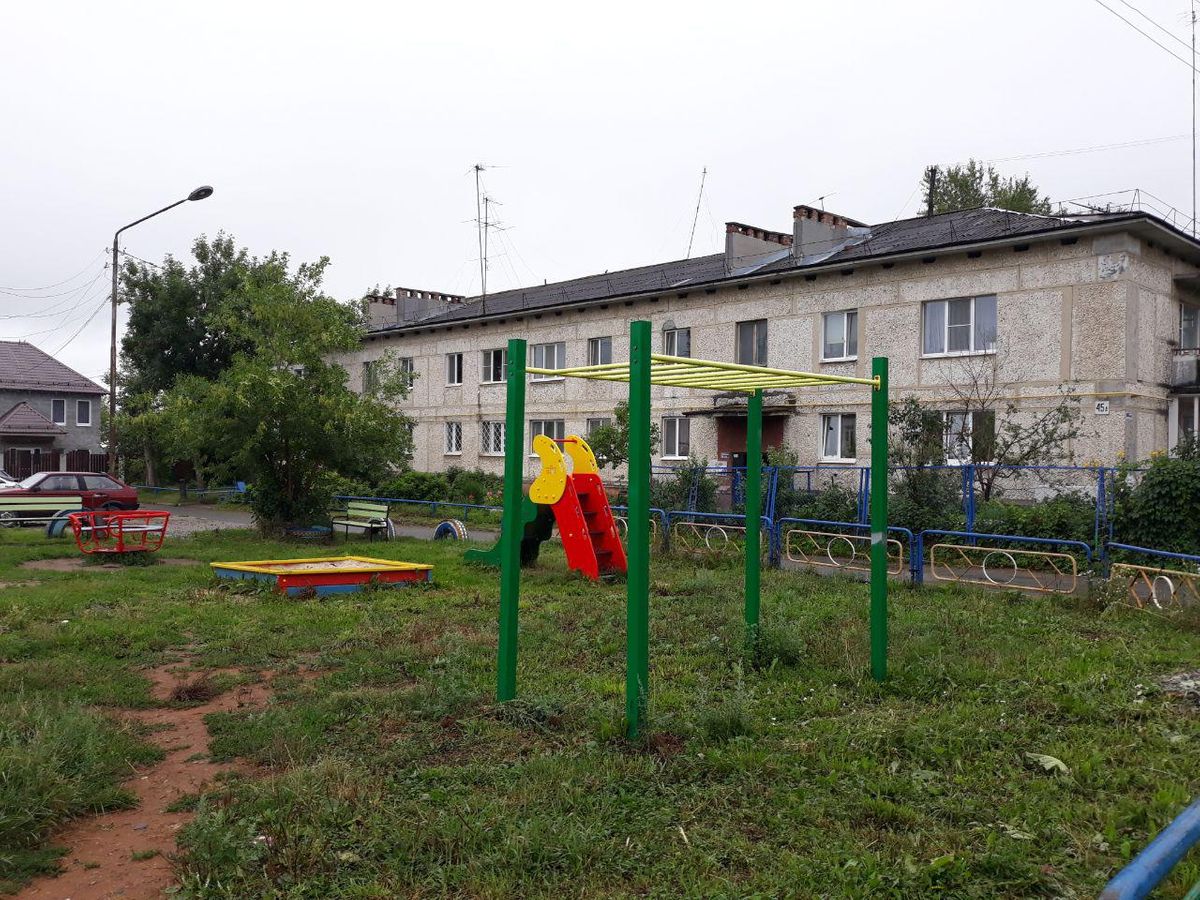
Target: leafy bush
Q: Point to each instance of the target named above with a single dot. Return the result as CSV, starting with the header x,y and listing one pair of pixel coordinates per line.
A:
x,y
1160,510
922,498
674,491
833,503
414,485
1070,516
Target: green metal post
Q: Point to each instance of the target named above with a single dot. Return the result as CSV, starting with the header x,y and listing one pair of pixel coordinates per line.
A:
x,y
879,489
510,523
637,583
753,515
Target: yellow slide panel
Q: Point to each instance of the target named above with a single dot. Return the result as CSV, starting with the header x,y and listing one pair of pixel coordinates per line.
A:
x,y
548,487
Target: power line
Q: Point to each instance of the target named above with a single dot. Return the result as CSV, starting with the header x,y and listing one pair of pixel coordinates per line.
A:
x,y
1096,149
696,217
1161,28
1153,40
91,262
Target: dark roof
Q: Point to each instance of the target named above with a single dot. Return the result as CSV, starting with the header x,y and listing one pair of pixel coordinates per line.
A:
x,y
927,233
23,367
24,419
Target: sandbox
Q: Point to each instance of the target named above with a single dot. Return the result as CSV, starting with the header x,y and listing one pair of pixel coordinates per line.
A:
x,y
326,574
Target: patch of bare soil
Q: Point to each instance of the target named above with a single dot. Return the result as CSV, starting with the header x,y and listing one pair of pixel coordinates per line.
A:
x,y
77,563
13,584
110,854
1185,685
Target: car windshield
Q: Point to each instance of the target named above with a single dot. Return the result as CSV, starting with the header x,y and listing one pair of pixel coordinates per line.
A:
x,y
30,481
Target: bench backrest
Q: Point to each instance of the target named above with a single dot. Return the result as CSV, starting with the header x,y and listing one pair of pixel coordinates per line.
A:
x,y
29,502
361,509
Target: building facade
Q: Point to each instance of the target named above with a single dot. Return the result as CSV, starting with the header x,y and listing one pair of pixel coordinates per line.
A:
x,y
1102,308
49,413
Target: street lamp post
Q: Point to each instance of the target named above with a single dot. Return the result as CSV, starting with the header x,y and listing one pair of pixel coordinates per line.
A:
x,y
201,193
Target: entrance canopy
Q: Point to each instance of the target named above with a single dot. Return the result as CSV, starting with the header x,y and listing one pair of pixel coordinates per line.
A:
x,y
681,371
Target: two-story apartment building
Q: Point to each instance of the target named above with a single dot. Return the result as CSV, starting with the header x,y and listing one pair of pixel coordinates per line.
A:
x,y
49,413
1104,306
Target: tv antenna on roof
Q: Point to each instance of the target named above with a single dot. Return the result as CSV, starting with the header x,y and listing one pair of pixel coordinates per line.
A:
x,y
696,217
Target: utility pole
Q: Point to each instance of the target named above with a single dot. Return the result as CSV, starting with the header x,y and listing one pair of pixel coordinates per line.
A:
x,y
480,231
201,193
1193,118
931,175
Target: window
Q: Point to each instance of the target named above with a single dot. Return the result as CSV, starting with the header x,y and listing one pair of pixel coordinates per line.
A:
x,y
1189,327
453,438
58,412
752,343
548,356
555,429
599,351
970,436
677,442
407,371
99,483
495,366
839,335
838,436
491,441
964,325
370,379
677,341
454,368
59,483
83,412
600,422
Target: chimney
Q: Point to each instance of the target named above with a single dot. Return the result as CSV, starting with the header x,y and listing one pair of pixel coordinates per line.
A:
x,y
408,305
816,232
746,245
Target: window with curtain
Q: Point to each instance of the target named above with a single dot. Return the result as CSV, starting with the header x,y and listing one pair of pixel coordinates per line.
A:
x,y
752,342
838,436
839,335
960,325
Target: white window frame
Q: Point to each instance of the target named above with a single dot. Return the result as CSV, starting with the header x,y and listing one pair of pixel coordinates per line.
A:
x,y
560,359
840,456
845,315
672,452
557,431
487,366
454,435
80,404
598,348
949,442
55,419
492,428
737,342
597,422
945,352
671,342
1184,309
407,370
454,367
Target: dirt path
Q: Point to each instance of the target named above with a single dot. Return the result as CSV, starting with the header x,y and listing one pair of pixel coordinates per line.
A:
x,y
100,862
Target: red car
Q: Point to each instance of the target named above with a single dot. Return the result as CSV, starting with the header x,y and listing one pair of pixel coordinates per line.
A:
x,y
98,492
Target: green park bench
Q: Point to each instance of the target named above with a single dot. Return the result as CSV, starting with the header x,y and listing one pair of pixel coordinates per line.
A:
x,y
371,517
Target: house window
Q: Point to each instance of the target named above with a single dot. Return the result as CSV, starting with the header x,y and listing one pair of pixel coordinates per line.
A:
x,y
370,379
677,341
83,412
1189,327
599,422
752,343
495,366
599,351
963,325
839,335
548,356
454,368
454,438
491,442
407,371
555,429
58,412
677,442
970,436
838,436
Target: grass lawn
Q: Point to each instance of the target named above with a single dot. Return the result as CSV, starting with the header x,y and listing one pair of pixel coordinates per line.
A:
x,y
393,773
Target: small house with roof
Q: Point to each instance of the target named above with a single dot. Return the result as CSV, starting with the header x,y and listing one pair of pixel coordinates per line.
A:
x,y
49,414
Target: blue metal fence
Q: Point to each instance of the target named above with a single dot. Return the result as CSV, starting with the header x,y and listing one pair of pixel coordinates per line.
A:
x,y
1147,870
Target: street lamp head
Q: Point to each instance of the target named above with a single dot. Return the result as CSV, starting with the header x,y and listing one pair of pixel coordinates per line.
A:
x,y
201,193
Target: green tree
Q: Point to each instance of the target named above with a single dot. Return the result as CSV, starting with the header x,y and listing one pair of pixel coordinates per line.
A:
x,y
610,442
281,415
973,184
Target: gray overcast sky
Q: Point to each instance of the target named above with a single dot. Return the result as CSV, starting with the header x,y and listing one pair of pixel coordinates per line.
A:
x,y
348,129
